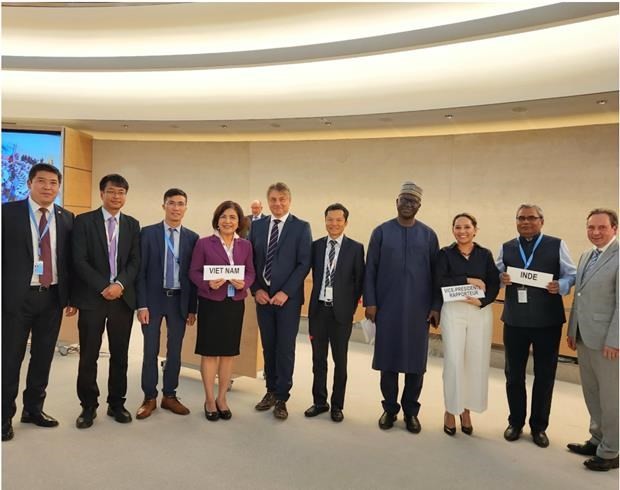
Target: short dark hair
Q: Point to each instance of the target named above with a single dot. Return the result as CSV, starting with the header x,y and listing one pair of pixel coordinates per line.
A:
x,y
229,205
470,217
43,167
337,207
613,216
115,179
174,192
279,187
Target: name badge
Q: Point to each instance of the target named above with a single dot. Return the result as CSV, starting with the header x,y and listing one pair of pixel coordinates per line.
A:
x,y
522,295
329,294
231,290
38,267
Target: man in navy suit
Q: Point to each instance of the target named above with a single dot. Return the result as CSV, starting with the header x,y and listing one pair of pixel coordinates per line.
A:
x,y
36,255
106,258
282,246
257,213
164,290
337,282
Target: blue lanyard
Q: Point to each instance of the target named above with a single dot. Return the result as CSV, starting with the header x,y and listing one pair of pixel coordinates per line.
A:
x,y
40,235
522,252
170,245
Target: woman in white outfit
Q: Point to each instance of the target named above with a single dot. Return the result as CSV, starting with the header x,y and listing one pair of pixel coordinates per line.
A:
x,y
466,325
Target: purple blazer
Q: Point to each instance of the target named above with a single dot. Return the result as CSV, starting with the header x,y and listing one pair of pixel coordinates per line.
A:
x,y
210,251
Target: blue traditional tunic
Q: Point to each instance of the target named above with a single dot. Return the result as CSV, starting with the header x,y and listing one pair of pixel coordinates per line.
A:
x,y
399,282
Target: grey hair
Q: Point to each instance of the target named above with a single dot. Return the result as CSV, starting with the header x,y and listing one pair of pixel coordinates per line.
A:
x,y
535,206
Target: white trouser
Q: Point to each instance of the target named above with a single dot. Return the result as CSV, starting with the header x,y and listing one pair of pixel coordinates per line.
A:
x,y
466,333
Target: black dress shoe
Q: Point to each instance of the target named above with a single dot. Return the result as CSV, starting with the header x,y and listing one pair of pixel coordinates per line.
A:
x,y
7,431
119,414
224,414
467,429
512,433
387,421
448,430
85,420
540,438
211,416
41,419
315,410
600,464
587,448
413,424
337,415
279,410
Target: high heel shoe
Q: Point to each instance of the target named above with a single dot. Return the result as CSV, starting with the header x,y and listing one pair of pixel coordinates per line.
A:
x,y
211,416
466,429
224,414
448,430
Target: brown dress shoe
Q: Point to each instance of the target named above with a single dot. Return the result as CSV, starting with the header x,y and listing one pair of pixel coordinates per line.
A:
x,y
146,408
173,404
279,410
268,401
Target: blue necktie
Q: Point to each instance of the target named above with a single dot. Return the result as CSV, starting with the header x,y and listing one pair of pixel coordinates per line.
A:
x,y
271,249
170,261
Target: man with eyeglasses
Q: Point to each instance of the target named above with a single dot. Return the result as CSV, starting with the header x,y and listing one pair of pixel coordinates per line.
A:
x,y
106,258
533,316
400,297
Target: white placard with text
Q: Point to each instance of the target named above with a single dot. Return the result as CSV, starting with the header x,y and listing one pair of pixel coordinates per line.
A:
x,y
459,293
213,272
529,278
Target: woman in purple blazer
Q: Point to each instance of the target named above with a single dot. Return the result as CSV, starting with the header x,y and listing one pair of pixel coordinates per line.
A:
x,y
220,304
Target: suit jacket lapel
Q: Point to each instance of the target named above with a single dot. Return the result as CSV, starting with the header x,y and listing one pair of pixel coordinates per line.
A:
x,y
60,234
161,245
218,248
101,232
341,255
123,241
284,234
608,255
27,232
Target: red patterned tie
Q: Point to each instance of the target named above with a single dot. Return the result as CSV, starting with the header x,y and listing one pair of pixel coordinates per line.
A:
x,y
45,279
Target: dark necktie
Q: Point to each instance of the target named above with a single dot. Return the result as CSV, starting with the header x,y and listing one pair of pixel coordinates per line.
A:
x,y
271,249
170,261
330,270
45,247
590,265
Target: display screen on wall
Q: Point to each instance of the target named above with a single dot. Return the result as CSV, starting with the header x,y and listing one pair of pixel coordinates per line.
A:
x,y
21,149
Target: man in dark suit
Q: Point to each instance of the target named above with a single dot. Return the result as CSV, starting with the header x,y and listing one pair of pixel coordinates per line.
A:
x,y
533,316
257,213
36,255
164,290
106,257
282,246
337,282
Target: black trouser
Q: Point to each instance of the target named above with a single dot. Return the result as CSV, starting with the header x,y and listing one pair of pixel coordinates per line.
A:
x,y
545,344
324,331
409,398
39,315
117,317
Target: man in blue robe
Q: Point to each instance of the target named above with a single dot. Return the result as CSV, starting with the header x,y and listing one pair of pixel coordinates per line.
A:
x,y
400,298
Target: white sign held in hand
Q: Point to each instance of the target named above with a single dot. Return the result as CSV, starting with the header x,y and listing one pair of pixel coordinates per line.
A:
x,y
529,278
459,293
214,272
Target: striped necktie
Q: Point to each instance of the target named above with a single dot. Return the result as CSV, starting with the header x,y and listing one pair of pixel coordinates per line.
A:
x,y
271,249
592,262
329,276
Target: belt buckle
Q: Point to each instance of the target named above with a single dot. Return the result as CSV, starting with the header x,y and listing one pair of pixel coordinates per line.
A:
x,y
328,304
42,289
169,292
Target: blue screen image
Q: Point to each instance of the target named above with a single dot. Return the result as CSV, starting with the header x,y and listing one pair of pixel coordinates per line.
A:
x,y
20,151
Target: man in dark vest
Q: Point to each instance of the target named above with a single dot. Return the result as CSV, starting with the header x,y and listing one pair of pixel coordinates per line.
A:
x,y
533,316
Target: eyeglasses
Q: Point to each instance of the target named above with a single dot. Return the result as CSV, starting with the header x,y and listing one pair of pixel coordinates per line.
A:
x,y
530,219
115,193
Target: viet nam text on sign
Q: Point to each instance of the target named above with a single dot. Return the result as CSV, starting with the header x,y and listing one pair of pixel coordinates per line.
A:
x,y
213,272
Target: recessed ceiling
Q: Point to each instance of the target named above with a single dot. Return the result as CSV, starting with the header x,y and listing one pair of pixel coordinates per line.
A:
x,y
281,67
